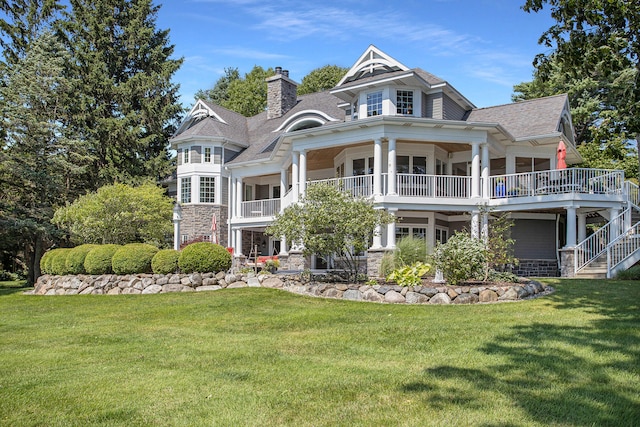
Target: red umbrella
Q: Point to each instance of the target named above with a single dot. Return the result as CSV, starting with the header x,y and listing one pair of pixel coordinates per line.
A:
x,y
562,155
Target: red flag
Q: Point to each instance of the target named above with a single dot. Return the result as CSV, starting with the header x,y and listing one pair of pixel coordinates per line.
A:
x,y
214,229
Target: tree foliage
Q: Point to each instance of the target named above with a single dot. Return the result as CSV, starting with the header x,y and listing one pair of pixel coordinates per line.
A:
x,y
39,159
126,105
460,258
118,214
248,95
330,223
321,79
597,41
219,93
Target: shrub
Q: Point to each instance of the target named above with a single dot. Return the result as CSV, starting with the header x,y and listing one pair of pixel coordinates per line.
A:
x,y
98,260
58,261
165,261
45,262
387,264
632,273
409,275
410,250
204,257
461,258
7,276
133,258
75,258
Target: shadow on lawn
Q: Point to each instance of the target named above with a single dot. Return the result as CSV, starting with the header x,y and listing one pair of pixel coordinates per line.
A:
x,y
8,288
557,372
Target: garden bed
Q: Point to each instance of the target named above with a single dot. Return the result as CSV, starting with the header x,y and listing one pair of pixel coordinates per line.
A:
x,y
427,293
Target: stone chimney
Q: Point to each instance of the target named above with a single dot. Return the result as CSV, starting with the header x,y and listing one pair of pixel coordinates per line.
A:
x,y
282,94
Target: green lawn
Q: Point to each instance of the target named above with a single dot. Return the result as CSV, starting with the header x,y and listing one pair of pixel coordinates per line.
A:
x,y
263,357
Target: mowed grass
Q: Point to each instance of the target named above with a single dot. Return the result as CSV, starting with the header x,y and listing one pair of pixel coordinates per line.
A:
x,y
263,357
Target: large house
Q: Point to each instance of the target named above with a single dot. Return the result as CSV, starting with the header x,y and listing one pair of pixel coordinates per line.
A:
x,y
416,147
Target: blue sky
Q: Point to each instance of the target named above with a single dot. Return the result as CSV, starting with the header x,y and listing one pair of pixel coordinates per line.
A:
x,y
481,47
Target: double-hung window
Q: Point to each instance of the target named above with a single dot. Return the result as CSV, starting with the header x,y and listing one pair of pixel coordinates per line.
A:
x,y
207,154
374,104
185,190
207,189
404,102
185,155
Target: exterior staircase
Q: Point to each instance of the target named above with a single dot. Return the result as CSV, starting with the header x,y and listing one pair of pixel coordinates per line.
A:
x,y
615,246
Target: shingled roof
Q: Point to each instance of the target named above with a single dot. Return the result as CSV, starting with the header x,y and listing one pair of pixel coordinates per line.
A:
x,y
523,119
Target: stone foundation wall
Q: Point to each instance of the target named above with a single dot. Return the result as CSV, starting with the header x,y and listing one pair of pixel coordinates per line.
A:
x,y
537,268
112,284
197,221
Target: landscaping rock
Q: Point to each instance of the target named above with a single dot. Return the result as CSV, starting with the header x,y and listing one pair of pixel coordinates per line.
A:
x,y
509,295
416,298
195,279
466,298
440,298
429,291
333,293
488,296
394,297
272,282
153,289
208,288
237,284
172,287
253,282
352,295
372,295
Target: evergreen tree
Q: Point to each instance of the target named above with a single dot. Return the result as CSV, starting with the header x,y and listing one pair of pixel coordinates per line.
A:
x,y
126,107
39,160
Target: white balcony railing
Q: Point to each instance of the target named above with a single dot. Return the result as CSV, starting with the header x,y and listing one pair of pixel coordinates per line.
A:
x,y
586,181
260,208
559,181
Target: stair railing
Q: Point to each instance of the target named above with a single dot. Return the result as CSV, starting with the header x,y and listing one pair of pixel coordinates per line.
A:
x,y
596,244
622,248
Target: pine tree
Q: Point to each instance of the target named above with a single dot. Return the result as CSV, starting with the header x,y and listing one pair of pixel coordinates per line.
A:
x,y
126,107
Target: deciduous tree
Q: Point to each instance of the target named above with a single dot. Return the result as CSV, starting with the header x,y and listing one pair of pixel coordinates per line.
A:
x,y
330,223
118,214
321,79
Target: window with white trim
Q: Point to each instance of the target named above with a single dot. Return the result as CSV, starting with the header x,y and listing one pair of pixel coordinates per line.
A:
x,y
374,104
207,189
404,102
185,155
185,190
207,154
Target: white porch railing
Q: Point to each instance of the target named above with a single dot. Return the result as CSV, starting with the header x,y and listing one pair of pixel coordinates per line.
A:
x,y
596,244
358,186
622,248
260,208
633,192
559,181
415,185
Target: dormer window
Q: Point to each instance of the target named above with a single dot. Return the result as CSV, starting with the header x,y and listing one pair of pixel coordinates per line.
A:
x,y
404,102
374,104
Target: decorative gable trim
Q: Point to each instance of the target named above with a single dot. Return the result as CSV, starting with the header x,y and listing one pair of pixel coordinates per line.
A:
x,y
320,117
372,61
199,111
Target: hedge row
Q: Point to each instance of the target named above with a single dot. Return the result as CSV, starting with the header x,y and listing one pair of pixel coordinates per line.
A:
x,y
135,258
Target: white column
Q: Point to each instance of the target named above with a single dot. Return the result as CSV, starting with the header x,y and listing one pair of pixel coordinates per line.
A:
x,y
283,246
484,226
295,177
475,169
377,167
391,170
485,170
616,225
238,197
571,227
303,172
475,224
377,238
582,226
238,242
176,234
283,186
391,231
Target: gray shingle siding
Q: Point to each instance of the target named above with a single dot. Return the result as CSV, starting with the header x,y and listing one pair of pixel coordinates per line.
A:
x,y
432,106
196,154
451,110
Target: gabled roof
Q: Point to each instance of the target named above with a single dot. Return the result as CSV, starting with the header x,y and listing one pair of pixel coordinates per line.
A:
x,y
371,63
212,121
525,119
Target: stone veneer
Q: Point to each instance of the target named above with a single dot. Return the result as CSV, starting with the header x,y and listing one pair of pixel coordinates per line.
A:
x,y
112,284
537,268
197,221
